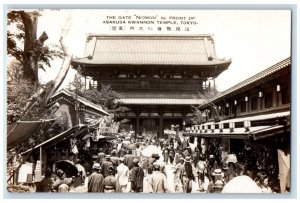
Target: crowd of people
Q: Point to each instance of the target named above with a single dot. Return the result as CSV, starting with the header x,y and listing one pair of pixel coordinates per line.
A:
x,y
174,166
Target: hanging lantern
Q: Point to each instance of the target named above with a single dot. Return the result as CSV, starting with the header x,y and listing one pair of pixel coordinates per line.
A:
x,y
278,88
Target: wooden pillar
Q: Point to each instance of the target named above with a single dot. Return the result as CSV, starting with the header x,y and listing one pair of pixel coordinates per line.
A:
x,y
137,126
137,123
161,127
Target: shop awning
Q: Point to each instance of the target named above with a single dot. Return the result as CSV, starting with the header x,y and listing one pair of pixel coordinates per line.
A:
x,y
18,132
270,131
60,137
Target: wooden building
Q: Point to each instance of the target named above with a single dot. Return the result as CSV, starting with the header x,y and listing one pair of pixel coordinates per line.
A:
x,y
252,120
158,76
78,109
261,101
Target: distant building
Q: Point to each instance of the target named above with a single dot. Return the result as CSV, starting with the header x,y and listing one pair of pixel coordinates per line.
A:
x,y
159,76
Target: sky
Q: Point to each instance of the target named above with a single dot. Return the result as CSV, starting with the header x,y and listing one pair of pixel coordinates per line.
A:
x,y
253,39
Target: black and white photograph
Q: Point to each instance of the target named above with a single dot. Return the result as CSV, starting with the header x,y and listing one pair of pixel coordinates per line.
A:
x,y
148,101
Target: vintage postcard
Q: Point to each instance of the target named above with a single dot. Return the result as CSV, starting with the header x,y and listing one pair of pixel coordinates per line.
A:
x,y
148,101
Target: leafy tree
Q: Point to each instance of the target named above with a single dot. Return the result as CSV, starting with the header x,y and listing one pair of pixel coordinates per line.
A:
x,y
24,46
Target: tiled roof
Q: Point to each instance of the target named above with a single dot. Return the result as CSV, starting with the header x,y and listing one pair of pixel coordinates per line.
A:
x,y
80,99
151,49
255,78
157,98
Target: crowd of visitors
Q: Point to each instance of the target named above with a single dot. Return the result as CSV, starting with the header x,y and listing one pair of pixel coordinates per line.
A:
x,y
193,168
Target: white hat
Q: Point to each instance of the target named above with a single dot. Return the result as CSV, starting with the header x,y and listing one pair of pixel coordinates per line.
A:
x,y
96,166
217,172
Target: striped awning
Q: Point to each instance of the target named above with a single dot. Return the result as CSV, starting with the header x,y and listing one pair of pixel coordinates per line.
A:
x,y
208,129
258,132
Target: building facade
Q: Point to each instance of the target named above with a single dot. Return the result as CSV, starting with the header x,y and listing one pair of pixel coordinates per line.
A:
x,y
252,120
159,77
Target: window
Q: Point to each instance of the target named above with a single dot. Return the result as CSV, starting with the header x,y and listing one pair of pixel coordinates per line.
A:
x,y
254,103
268,100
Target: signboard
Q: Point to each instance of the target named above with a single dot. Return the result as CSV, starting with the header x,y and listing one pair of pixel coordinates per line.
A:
x,y
151,23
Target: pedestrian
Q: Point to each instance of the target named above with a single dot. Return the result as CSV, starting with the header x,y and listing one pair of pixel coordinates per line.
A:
x,y
122,175
188,175
95,179
137,177
105,166
109,184
178,174
157,181
201,167
171,154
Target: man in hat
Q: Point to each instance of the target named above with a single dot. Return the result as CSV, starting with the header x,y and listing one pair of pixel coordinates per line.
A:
x,y
105,166
95,179
122,175
157,181
137,177
218,174
188,175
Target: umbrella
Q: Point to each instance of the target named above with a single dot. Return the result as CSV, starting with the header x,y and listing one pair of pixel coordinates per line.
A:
x,y
241,184
68,167
230,158
148,151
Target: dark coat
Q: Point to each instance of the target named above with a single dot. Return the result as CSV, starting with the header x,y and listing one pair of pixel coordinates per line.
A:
x,y
104,168
137,177
94,182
